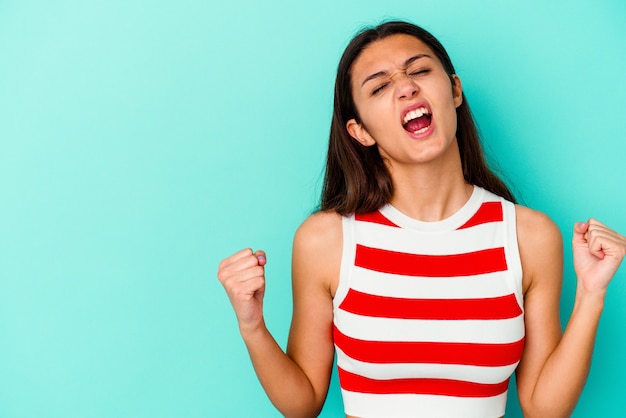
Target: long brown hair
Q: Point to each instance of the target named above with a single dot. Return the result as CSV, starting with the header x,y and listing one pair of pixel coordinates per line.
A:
x,y
356,178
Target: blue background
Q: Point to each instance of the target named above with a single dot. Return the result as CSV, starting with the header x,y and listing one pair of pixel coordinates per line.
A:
x,y
143,141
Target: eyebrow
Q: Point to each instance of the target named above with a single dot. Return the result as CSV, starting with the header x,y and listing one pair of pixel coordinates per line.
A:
x,y
406,64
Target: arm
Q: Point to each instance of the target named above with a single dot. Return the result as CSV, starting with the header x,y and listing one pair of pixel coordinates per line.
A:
x,y
297,381
554,367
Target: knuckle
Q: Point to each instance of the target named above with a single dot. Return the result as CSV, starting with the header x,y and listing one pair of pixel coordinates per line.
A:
x,y
226,278
222,263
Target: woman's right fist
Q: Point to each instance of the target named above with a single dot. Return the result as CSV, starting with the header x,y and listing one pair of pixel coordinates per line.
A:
x,y
243,277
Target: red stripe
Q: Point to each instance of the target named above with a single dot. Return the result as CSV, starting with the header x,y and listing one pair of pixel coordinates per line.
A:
x,y
502,307
467,264
474,354
374,217
488,212
446,387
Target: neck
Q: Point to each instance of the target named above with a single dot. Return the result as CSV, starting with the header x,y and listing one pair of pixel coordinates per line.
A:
x,y
431,191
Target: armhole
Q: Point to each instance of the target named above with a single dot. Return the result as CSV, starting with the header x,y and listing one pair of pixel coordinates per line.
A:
x,y
512,250
347,260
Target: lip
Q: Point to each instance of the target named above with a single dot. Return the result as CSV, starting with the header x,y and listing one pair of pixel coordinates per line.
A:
x,y
414,106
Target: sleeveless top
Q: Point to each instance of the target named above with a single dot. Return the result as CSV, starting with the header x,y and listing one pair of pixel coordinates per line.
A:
x,y
428,316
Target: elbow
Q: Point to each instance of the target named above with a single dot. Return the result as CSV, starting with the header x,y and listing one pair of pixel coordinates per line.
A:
x,y
309,413
303,409
553,409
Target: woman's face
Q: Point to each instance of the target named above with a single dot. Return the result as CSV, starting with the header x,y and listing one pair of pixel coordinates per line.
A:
x,y
406,101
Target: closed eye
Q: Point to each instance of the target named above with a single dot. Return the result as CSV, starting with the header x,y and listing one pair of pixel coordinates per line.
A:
x,y
420,72
379,89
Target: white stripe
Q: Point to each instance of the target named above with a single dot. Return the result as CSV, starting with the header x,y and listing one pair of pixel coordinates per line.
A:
x,y
393,285
479,374
347,260
463,241
479,195
501,331
418,406
512,251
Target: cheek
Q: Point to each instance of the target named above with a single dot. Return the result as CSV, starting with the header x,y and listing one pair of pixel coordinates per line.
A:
x,y
451,124
377,116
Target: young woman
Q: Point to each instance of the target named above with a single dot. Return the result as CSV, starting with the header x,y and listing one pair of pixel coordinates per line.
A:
x,y
419,272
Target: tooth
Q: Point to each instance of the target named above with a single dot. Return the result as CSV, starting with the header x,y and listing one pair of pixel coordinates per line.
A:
x,y
413,114
416,113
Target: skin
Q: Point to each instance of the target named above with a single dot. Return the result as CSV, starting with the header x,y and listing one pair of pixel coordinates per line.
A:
x,y
429,186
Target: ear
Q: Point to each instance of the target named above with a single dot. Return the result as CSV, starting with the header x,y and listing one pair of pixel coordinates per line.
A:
x,y
358,132
457,90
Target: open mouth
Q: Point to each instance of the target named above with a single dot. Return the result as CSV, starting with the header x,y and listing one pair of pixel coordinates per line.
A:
x,y
417,120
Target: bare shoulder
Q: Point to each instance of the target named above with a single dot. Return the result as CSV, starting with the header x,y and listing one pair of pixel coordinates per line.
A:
x,y
540,243
318,235
317,248
535,224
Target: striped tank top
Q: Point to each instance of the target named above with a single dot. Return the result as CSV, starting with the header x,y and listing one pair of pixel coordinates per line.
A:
x,y
428,316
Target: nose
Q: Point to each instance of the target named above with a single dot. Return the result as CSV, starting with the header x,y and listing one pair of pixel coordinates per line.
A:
x,y
406,88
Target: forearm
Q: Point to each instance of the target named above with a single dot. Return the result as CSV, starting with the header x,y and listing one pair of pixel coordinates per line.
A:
x,y
564,374
286,385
